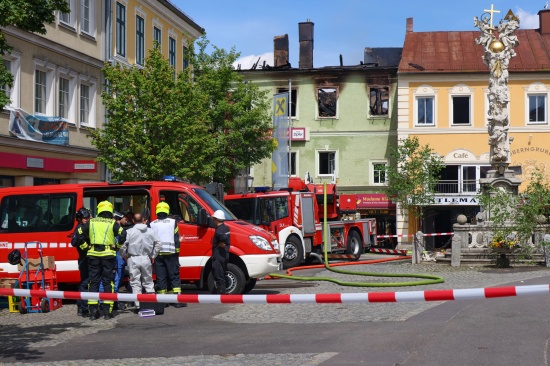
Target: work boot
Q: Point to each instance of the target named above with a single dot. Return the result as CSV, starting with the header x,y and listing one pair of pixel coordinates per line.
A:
x,y
220,287
94,313
107,314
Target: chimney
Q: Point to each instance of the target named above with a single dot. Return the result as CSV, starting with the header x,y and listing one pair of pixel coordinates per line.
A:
x,y
544,21
280,50
305,33
409,25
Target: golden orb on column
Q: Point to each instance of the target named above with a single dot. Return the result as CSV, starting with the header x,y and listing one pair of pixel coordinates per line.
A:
x,y
496,46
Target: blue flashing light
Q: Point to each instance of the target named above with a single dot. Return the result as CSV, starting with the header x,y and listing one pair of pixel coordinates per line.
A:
x,y
261,189
172,178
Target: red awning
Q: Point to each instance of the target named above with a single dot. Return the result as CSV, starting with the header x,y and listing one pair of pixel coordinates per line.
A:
x,y
374,200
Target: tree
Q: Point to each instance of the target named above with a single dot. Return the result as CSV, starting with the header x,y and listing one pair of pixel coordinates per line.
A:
x,y
203,124
27,15
412,175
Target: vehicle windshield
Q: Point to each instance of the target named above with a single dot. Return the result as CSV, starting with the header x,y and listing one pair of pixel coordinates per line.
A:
x,y
214,204
244,209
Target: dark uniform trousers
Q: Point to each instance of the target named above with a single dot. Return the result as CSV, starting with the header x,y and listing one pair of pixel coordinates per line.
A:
x,y
102,269
84,280
167,268
219,267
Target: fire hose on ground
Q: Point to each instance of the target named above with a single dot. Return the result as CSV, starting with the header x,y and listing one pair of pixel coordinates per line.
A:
x,y
426,279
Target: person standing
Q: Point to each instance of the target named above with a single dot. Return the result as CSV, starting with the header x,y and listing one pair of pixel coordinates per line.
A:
x,y
167,262
102,231
82,217
220,251
141,246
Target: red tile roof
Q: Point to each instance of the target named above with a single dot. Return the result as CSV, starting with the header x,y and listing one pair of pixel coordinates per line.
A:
x,y
444,52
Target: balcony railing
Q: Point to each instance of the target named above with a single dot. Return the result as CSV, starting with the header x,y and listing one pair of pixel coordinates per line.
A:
x,y
457,186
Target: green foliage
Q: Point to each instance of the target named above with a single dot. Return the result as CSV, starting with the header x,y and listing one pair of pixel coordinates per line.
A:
x,y
413,175
205,124
516,216
27,15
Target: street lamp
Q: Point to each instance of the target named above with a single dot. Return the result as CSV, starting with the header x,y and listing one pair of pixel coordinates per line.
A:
x,y
249,181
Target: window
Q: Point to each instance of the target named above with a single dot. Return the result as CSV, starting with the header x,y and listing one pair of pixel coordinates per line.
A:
x,y
461,110
120,29
69,18
85,16
326,162
379,173
87,100
292,163
63,107
140,40
425,111
537,108
185,59
326,102
379,100
6,88
293,100
12,62
84,103
172,51
40,88
157,36
37,213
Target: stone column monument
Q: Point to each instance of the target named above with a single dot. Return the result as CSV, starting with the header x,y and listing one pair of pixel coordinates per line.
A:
x,y
498,44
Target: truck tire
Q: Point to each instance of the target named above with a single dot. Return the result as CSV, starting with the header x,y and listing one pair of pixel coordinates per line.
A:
x,y
354,245
249,285
45,305
234,277
293,252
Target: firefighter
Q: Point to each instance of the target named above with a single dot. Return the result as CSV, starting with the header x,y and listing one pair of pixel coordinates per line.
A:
x,y
82,217
102,231
220,251
167,262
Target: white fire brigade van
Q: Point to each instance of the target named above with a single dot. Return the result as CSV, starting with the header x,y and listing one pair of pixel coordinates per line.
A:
x,y
47,214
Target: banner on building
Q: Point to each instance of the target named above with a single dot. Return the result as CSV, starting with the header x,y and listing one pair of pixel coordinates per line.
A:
x,y
279,170
51,130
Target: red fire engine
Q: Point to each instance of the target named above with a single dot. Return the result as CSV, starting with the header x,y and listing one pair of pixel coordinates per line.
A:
x,y
295,216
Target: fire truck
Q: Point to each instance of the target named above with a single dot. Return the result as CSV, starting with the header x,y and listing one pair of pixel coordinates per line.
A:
x,y
46,214
295,215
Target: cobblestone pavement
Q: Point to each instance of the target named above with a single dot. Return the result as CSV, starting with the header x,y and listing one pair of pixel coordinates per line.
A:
x,y
62,325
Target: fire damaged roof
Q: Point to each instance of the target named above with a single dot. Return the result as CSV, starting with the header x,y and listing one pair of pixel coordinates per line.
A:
x,y
383,56
441,52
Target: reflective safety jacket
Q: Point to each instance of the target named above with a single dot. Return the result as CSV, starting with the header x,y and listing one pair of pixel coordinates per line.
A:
x,y
168,233
103,232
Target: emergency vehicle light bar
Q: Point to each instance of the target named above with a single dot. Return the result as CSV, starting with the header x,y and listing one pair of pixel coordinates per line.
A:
x,y
262,189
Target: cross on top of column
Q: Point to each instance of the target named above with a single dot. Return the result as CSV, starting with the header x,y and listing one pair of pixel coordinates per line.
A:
x,y
491,12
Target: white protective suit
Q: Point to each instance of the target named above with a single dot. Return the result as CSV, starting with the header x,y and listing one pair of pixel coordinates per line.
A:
x,y
141,245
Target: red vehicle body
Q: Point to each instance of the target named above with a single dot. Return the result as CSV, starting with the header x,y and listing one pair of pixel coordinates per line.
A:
x,y
295,216
46,214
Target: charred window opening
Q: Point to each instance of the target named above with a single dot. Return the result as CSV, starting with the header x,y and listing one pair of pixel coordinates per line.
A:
x,y
293,99
326,99
379,99
327,162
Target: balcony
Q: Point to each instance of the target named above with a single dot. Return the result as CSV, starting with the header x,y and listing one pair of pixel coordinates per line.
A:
x,y
458,187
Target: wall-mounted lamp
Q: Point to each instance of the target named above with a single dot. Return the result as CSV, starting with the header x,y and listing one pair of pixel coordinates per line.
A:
x,y
530,136
249,181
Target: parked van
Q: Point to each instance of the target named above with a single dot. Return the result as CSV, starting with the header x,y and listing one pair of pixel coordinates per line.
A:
x,y
47,214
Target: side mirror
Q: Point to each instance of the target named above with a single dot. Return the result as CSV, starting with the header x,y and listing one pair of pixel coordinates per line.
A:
x,y
203,219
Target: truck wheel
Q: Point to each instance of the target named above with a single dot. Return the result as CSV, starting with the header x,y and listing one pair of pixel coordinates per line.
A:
x,y
293,252
234,279
249,285
354,245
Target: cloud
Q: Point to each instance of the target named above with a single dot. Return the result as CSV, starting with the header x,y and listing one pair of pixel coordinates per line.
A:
x,y
527,20
247,62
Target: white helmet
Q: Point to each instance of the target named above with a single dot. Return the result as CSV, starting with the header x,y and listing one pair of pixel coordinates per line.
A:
x,y
219,215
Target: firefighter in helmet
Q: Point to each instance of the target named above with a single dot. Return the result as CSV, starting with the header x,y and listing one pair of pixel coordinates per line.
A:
x,y
102,232
167,267
220,251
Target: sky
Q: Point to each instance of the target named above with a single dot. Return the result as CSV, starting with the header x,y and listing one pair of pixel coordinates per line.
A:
x,y
341,26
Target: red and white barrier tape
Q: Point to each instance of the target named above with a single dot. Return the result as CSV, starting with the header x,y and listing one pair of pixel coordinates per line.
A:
x,y
367,297
388,251
406,235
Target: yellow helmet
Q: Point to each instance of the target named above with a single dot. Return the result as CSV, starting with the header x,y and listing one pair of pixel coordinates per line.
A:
x,y
104,206
163,207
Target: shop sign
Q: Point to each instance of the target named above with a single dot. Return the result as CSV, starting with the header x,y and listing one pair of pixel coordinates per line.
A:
x,y
374,200
454,200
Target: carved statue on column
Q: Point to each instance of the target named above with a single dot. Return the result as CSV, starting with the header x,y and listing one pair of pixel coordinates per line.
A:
x,y
498,50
